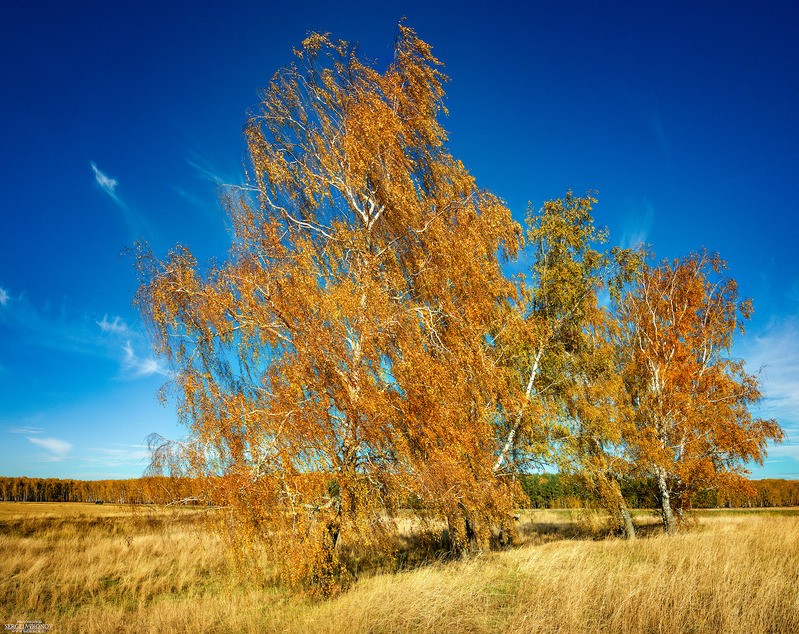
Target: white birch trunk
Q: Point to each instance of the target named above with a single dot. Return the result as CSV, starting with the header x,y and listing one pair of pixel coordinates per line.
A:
x,y
528,392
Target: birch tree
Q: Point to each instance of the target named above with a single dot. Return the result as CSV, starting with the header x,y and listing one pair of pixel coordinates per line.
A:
x,y
337,362
546,323
596,423
694,426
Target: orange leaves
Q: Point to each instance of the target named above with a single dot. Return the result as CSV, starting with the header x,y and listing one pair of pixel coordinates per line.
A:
x,y
344,338
692,398
362,346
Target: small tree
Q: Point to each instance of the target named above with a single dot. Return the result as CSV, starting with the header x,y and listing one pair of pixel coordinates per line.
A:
x,y
694,428
561,356
545,325
596,423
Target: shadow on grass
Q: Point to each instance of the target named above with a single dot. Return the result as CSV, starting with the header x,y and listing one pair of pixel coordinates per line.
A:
x,y
580,524
426,546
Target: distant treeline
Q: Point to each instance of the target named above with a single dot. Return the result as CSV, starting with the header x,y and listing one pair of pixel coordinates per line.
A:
x,y
545,491
152,490
565,491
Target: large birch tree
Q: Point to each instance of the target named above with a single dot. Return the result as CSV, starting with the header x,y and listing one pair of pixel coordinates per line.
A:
x,y
338,361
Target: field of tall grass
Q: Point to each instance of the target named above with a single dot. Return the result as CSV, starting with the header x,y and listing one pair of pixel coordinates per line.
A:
x,y
87,568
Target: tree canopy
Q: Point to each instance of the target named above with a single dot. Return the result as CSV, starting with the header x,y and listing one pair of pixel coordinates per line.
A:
x,y
362,345
692,398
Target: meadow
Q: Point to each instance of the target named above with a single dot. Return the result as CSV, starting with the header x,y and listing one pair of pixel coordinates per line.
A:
x,y
106,568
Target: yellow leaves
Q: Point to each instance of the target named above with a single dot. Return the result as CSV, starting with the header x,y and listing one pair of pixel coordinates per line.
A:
x,y
314,43
362,344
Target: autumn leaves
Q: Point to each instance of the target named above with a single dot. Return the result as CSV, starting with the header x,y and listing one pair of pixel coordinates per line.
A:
x,y
362,346
693,426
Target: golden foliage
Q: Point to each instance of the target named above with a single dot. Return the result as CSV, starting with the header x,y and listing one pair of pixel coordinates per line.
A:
x,y
337,363
694,428
361,346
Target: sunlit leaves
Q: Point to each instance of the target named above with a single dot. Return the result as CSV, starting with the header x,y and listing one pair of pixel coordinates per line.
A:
x,y
692,398
361,346
335,364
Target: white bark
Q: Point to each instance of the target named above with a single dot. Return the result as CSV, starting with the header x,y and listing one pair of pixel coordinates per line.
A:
x,y
517,423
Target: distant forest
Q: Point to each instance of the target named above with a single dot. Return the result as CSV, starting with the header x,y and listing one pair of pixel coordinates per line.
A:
x,y
544,491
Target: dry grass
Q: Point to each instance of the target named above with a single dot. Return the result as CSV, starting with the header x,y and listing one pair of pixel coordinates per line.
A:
x,y
83,568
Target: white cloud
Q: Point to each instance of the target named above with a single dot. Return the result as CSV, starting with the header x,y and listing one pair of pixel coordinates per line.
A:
x,y
638,228
58,448
120,454
205,169
137,223
139,367
106,183
4,297
774,354
62,330
117,326
786,450
26,430
81,334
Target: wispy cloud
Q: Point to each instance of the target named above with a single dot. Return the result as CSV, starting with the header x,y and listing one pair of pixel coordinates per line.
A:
x,y
789,449
118,454
137,366
136,223
639,224
81,334
106,183
774,354
207,204
205,169
26,430
46,327
59,449
113,461
117,326
190,198
4,296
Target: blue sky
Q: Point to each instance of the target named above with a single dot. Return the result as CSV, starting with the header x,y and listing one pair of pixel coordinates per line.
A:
x,y
118,121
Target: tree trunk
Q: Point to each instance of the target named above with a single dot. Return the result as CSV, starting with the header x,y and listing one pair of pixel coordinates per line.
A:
x,y
508,446
614,500
463,539
609,492
665,503
627,521
471,535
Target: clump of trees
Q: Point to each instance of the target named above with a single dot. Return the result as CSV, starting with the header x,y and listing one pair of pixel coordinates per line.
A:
x,y
363,346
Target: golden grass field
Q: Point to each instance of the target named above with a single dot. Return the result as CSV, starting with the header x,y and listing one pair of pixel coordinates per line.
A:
x,y
87,568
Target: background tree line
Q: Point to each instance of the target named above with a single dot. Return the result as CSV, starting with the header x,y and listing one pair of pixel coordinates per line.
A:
x,y
363,345
542,491
151,490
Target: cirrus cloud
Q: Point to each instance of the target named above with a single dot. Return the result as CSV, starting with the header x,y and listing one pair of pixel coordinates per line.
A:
x,y
141,367
58,448
117,326
106,183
